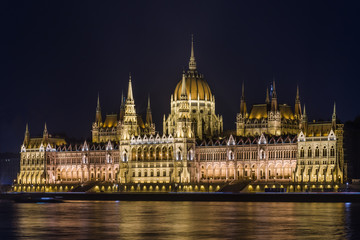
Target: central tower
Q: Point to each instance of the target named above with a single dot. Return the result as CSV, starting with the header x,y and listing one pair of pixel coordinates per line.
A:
x,y
193,89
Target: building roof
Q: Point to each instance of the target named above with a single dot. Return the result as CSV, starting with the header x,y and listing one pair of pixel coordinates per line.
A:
x,y
259,111
195,85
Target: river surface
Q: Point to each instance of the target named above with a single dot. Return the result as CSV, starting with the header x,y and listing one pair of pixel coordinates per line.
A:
x,y
179,220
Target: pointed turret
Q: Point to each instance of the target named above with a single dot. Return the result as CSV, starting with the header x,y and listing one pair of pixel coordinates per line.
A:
x,y
183,88
267,99
297,104
148,113
333,118
304,121
274,104
98,118
27,136
243,109
192,62
122,106
45,133
130,92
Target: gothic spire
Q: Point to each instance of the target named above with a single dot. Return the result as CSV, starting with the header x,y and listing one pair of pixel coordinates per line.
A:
x,y
183,88
45,133
98,104
297,93
243,109
130,92
122,97
297,103
267,99
148,113
27,135
98,111
334,117
274,105
192,62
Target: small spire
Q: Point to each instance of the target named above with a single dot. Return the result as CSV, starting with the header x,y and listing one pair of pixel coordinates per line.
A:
x,y
27,135
45,133
304,113
267,99
274,90
334,118
130,92
192,62
297,103
148,113
98,103
183,87
122,97
243,109
297,93
243,91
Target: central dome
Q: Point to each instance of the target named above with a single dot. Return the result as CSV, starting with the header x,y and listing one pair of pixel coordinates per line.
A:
x,y
195,85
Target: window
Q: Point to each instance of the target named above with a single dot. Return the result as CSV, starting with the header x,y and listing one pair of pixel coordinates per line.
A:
x,y
302,153
309,152
317,152
324,152
332,152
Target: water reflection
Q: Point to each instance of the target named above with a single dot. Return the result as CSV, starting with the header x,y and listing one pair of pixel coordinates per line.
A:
x,y
178,220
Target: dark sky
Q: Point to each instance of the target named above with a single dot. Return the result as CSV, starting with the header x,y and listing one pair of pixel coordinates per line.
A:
x,y
55,56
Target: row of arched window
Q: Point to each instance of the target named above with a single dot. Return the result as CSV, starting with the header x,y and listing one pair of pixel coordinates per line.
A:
x,y
317,152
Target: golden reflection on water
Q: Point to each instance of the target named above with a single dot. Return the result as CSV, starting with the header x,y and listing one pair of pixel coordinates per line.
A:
x,y
177,220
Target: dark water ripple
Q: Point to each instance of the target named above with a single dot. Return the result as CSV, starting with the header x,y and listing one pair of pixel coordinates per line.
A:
x,y
179,220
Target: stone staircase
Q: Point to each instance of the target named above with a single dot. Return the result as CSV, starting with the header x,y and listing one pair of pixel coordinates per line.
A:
x,y
235,186
84,187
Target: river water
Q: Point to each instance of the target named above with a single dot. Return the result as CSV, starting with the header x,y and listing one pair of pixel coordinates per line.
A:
x,y
179,220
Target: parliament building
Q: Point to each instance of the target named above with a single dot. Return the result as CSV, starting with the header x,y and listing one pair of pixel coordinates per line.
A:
x,y
274,146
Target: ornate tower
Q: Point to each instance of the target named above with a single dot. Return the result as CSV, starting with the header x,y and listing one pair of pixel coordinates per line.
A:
x,y
129,125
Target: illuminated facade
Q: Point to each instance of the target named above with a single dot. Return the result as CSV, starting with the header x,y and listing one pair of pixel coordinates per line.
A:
x,y
272,143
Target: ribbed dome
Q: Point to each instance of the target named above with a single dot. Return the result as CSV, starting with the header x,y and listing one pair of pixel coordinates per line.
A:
x,y
195,84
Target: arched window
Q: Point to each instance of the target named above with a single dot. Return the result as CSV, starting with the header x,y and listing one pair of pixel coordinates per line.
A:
x,y
324,152
317,152
302,152
124,157
309,152
332,152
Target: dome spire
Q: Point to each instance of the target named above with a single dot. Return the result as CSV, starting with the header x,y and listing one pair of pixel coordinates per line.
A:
x,y
192,63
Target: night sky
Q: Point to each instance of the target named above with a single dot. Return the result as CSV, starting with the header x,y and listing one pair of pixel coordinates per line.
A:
x,y
56,56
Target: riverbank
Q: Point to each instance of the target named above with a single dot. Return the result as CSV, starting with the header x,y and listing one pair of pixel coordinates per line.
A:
x,y
207,197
